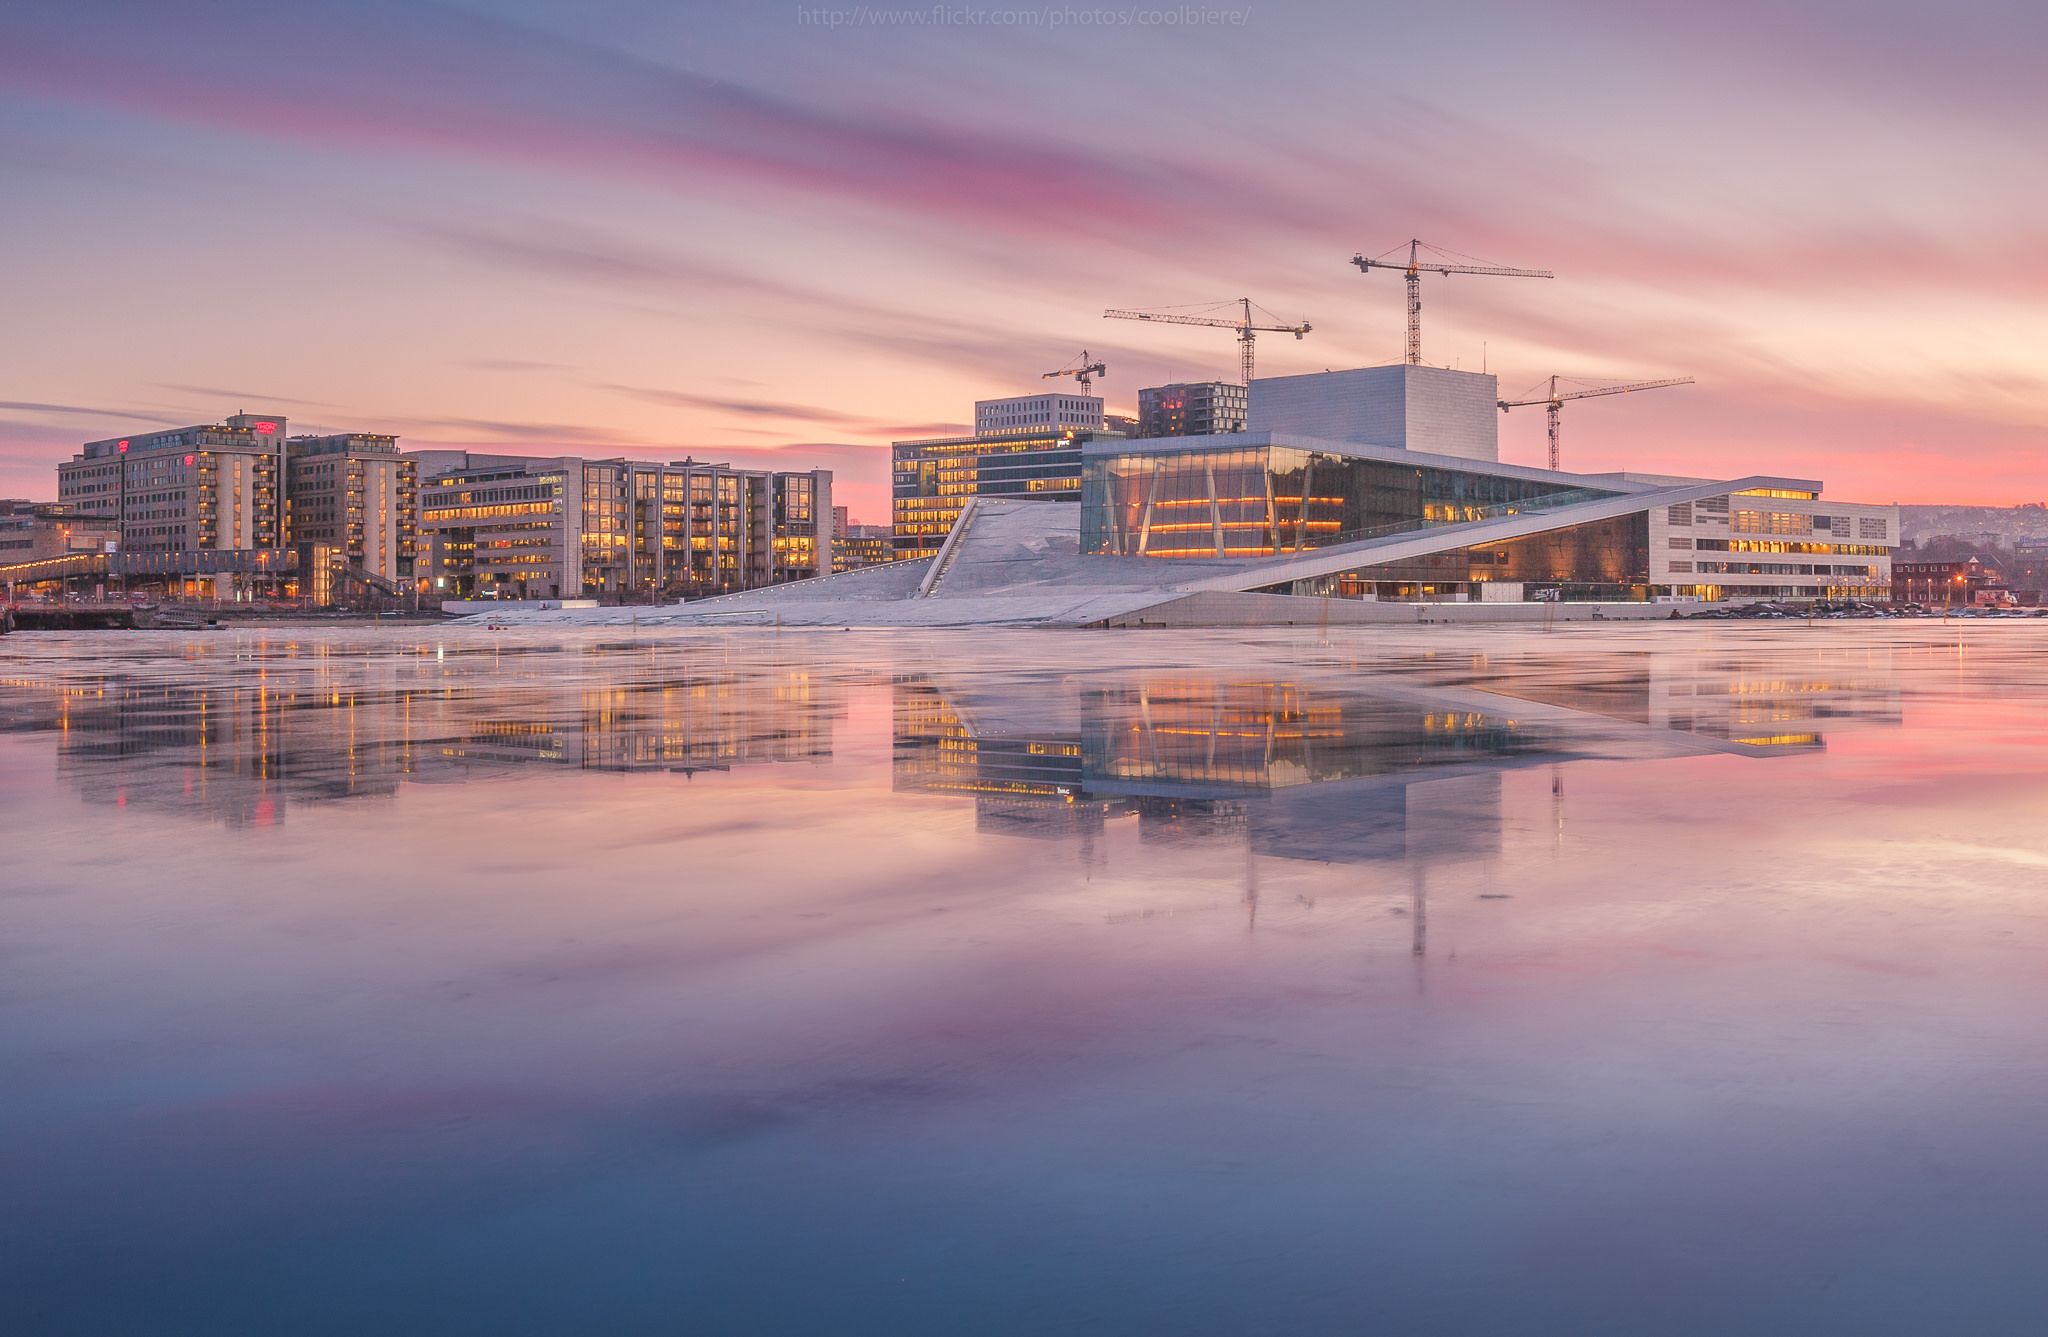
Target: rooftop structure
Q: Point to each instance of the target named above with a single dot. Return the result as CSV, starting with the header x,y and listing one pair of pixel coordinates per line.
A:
x,y
1430,409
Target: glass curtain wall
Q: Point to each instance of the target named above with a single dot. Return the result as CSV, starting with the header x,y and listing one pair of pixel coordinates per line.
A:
x,y
1256,501
1600,560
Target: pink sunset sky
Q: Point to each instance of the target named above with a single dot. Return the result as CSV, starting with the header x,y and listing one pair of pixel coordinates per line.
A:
x,y
661,229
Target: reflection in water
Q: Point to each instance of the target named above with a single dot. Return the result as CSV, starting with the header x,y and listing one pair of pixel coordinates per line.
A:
x,y
244,751
1402,769
1391,767
1023,983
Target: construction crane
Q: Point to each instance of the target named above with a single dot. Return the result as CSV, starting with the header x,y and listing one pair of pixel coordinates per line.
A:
x,y
1084,373
1247,329
1417,265
1554,401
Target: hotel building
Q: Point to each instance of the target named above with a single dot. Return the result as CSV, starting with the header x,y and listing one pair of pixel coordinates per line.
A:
x,y
206,501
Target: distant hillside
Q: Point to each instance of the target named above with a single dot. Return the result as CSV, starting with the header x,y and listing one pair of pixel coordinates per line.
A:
x,y
1992,525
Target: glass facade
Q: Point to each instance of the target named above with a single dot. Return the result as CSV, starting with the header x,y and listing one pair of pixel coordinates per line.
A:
x,y
1599,560
932,480
1260,500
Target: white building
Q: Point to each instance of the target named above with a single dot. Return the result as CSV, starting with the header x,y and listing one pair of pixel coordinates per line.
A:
x,y
1780,542
1431,409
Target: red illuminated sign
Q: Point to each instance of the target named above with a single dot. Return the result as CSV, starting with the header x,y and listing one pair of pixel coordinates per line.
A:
x,y
123,446
266,427
191,459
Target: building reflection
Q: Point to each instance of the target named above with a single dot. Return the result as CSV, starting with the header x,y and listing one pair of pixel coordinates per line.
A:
x,y
1295,770
246,752
1403,767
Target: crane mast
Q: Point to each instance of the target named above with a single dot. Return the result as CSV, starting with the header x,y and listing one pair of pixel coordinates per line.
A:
x,y
1418,265
1247,329
1084,374
1553,403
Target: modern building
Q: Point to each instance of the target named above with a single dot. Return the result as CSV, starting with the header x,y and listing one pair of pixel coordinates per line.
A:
x,y
1195,408
1274,525
354,513
199,509
621,530
1268,494
1026,446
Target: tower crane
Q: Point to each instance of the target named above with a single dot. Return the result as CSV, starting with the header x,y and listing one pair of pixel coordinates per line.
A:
x,y
1554,401
1247,330
1084,373
1417,265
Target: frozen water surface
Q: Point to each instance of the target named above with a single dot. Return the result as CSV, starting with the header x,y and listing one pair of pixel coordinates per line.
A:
x,y
1649,979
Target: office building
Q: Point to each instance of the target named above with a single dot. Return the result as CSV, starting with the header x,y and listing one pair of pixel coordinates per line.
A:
x,y
354,513
199,509
495,526
1196,408
1032,415
1028,446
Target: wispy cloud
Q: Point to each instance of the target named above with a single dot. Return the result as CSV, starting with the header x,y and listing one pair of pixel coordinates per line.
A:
x,y
243,396
749,408
424,77
83,411
464,430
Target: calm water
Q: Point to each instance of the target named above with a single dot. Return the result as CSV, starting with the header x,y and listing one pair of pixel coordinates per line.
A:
x,y
1633,980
